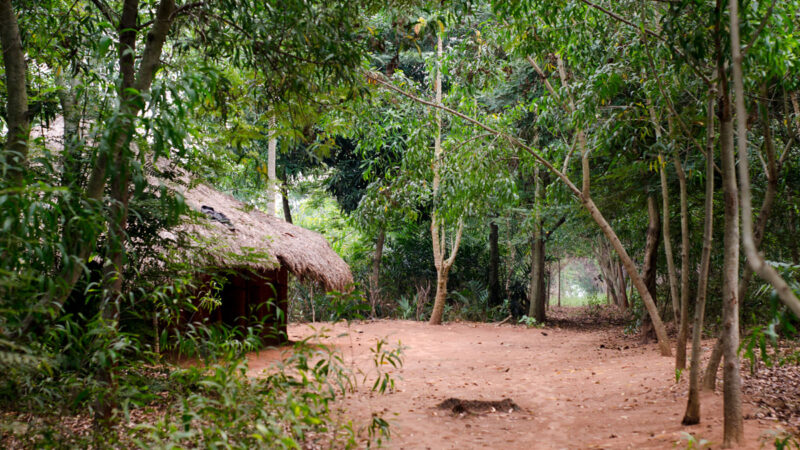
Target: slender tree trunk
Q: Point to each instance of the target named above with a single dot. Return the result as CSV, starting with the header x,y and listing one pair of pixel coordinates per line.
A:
x,y
623,288
671,276
494,265
287,210
537,290
70,166
133,86
651,260
683,331
15,148
547,280
438,229
117,221
692,415
733,425
537,300
374,279
710,374
70,159
558,261
510,258
441,296
272,146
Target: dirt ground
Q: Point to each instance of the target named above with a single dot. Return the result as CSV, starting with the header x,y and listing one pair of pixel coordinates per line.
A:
x,y
575,388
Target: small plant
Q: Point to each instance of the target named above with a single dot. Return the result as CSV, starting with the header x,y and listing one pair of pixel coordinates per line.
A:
x,y
382,357
678,373
405,308
693,443
530,322
781,439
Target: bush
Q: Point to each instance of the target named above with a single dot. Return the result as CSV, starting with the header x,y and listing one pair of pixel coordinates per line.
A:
x,y
216,404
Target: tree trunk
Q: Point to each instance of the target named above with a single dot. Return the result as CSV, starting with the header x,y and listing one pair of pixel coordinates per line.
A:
x,y
733,426
117,220
559,282
441,296
537,300
438,229
374,279
15,149
70,159
494,265
683,331
272,146
510,259
710,374
651,261
671,277
287,210
692,415
622,291
547,280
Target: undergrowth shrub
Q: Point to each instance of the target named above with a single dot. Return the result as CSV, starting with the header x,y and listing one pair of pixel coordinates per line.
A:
x,y
217,402
309,303
471,303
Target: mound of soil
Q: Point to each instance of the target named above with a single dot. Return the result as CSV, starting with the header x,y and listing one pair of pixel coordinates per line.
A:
x,y
458,406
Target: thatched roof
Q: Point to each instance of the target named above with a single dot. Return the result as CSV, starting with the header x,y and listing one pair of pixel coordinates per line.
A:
x,y
253,239
269,240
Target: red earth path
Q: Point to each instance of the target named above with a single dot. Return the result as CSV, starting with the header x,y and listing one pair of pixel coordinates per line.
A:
x,y
576,388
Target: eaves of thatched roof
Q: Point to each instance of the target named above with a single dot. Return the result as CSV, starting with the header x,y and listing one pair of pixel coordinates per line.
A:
x,y
270,240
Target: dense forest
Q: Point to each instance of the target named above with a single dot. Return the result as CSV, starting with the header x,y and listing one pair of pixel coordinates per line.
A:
x,y
469,161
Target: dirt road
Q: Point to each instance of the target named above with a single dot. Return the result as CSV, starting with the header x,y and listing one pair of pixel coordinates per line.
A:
x,y
574,388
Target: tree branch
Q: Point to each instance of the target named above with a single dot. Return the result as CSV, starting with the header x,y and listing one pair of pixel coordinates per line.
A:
x,y
106,11
376,78
759,30
651,33
555,227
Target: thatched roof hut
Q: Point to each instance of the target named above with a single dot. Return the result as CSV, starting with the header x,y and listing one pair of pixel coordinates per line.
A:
x,y
269,240
255,250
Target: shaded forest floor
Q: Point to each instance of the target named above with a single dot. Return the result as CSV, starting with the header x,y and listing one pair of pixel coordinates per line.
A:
x,y
573,384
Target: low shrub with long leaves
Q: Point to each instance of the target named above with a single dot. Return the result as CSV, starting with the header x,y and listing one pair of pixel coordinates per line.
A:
x,y
218,402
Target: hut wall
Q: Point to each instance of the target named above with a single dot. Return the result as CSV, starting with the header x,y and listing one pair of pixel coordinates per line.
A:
x,y
252,297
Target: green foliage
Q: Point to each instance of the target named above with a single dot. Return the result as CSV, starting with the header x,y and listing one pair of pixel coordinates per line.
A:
x,y
530,322
220,404
310,304
755,345
693,443
406,308
781,439
381,357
